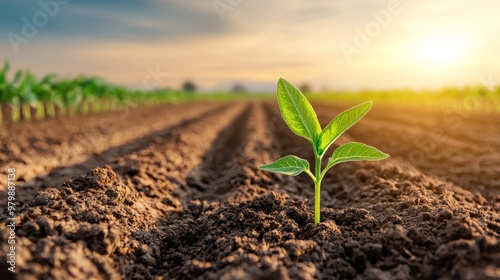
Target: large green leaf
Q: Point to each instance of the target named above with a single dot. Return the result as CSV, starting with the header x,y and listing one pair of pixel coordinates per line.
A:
x,y
340,124
355,151
289,165
297,112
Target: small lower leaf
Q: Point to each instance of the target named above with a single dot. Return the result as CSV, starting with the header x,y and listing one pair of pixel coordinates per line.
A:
x,y
355,151
289,165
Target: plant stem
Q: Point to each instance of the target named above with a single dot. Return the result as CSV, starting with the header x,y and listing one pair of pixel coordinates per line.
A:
x,y
317,189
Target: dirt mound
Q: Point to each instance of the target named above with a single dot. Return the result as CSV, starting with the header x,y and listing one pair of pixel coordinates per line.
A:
x,y
272,236
73,230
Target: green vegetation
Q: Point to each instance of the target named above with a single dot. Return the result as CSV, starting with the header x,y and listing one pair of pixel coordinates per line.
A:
x,y
300,117
24,97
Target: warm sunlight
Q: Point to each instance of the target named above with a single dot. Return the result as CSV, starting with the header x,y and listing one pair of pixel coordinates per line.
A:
x,y
440,51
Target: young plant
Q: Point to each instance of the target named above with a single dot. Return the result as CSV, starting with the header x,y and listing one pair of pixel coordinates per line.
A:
x,y
300,117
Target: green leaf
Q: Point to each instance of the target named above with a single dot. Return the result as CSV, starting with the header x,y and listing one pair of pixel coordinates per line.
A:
x,y
297,112
3,73
340,124
289,165
355,151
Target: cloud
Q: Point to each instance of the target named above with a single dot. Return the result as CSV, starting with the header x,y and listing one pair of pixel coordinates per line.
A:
x,y
258,41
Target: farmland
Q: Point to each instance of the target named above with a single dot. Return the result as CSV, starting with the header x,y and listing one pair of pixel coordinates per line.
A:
x,y
249,140
174,191
24,97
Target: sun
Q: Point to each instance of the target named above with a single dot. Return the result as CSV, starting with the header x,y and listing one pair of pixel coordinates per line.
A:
x,y
440,51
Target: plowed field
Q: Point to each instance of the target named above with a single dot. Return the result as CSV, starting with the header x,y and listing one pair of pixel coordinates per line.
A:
x,y
174,192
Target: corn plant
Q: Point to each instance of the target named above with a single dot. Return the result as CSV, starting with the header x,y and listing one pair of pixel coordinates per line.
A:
x,y
24,97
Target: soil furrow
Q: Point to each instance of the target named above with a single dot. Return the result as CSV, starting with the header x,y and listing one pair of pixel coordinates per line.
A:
x,y
220,171
63,173
472,167
229,171
190,203
160,170
37,148
448,156
401,202
107,219
460,125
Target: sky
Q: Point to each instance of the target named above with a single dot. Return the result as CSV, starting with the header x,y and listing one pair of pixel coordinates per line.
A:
x,y
334,44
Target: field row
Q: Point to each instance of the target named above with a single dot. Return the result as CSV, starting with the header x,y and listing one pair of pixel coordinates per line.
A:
x,y
183,198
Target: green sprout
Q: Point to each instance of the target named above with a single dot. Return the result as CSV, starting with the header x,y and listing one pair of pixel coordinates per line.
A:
x,y
300,117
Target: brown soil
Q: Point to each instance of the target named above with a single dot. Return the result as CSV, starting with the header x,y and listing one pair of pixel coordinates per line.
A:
x,y
173,192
